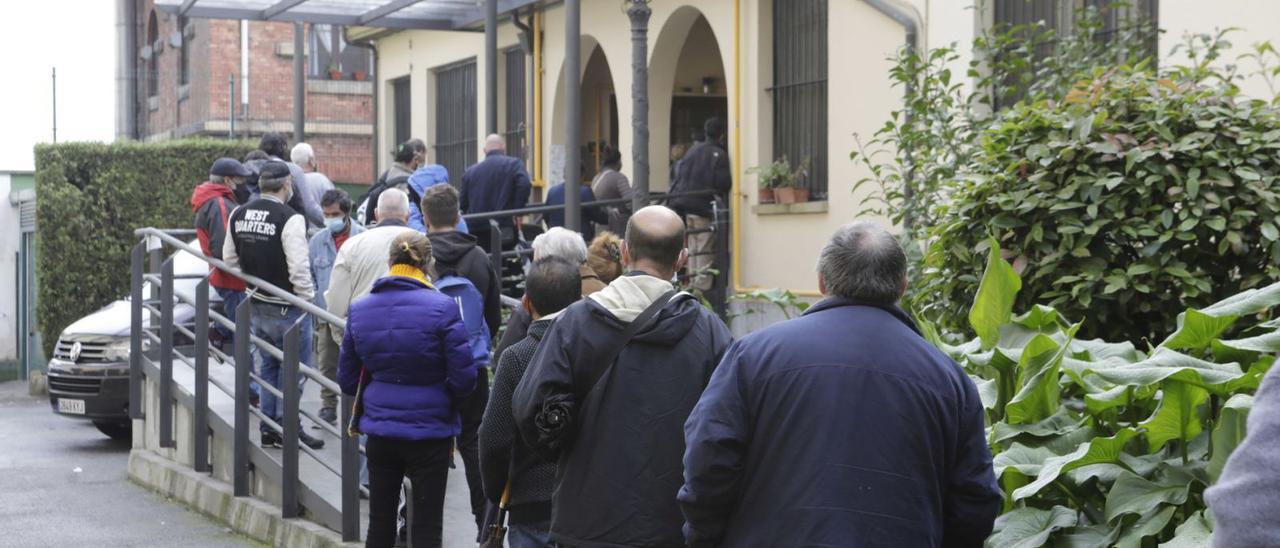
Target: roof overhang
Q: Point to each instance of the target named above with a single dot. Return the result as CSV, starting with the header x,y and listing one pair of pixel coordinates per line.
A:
x,y
458,15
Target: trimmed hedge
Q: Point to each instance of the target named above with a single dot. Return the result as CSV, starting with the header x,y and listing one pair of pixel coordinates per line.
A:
x,y
90,198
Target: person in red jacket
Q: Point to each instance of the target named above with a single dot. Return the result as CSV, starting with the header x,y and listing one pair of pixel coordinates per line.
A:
x,y
213,201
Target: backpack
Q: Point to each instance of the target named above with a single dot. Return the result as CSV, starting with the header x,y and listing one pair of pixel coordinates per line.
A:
x,y
471,305
368,203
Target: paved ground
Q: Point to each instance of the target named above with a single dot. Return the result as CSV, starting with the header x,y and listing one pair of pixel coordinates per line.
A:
x,y
62,483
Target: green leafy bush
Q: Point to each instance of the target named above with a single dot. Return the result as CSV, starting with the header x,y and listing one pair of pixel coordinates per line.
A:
x,y
1132,195
1098,443
90,198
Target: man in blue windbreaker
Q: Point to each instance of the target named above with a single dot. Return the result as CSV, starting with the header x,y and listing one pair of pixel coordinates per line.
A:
x,y
843,427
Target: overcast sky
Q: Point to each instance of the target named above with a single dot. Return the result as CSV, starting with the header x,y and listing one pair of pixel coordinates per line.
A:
x,y
79,38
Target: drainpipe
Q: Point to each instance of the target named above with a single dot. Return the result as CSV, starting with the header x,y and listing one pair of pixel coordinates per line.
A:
x,y
299,84
573,117
491,66
244,74
639,12
373,81
909,19
126,69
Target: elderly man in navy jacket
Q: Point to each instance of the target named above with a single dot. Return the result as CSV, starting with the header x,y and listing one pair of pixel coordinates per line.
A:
x,y
497,183
843,427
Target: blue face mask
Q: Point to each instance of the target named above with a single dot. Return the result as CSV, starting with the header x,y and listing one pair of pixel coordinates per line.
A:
x,y
335,224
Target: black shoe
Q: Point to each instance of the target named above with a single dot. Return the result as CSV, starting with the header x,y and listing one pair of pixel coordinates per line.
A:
x,y
307,440
329,415
271,439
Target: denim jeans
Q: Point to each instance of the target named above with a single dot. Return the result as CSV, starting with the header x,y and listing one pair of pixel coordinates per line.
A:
x,y
231,300
519,536
270,323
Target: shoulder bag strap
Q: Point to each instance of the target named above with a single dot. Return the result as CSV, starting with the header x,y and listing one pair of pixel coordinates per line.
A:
x,y
608,359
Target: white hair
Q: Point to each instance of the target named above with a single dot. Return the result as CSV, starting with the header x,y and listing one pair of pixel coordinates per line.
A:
x,y
393,203
302,154
560,242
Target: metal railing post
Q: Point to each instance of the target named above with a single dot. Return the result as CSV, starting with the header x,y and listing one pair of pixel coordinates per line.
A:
x,y
350,475
244,364
495,245
166,355
290,421
136,336
200,411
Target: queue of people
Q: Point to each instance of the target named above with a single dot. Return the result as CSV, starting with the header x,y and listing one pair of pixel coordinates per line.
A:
x,y
615,409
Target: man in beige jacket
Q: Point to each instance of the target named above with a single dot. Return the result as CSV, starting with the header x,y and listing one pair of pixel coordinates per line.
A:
x,y
364,258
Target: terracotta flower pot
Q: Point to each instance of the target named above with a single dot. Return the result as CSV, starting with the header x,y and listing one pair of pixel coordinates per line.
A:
x,y
335,75
766,196
359,75
791,195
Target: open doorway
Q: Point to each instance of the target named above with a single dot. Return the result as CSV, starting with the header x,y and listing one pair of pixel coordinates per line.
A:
x,y
599,113
698,92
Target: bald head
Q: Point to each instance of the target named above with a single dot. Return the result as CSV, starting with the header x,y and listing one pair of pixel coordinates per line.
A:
x,y
495,143
655,241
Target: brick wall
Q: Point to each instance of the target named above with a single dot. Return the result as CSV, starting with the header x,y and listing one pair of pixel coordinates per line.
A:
x,y
339,115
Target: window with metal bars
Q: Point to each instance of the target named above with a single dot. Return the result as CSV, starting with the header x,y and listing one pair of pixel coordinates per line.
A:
x,y
800,89
514,61
184,62
1063,17
401,109
456,129
153,71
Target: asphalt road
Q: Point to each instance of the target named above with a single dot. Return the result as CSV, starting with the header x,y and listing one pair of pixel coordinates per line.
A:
x,y
62,483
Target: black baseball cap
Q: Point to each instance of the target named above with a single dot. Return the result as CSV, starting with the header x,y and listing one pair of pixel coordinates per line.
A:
x,y
229,167
274,169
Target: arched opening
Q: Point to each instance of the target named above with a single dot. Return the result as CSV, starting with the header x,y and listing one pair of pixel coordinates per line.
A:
x,y
153,73
686,87
599,109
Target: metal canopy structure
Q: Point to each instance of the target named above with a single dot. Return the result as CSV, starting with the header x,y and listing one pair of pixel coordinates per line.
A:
x,y
391,14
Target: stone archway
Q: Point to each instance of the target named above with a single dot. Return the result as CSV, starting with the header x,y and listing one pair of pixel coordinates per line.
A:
x,y
599,110
686,86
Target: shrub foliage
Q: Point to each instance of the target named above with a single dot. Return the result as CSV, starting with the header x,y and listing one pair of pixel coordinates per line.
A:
x,y
1098,443
90,198
1118,203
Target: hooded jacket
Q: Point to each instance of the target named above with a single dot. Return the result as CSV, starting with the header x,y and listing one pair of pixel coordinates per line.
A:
x,y
213,204
457,254
617,478
410,341
843,427
426,177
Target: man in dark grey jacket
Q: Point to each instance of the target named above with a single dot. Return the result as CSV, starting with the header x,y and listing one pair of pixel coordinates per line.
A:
x,y
551,286
704,167
619,473
1246,499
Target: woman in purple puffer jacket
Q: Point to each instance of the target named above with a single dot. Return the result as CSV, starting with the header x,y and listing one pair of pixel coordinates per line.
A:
x,y
406,343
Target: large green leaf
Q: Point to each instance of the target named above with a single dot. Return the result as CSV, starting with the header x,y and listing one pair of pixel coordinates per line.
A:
x,y
1029,527
1197,330
1195,532
1024,459
1265,343
1037,397
1134,494
1148,525
1096,450
1061,422
1248,302
1229,432
993,305
1091,536
1177,417
1170,364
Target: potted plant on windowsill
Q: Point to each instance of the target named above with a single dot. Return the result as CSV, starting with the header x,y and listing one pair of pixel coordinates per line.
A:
x,y
771,176
792,189
358,75
334,72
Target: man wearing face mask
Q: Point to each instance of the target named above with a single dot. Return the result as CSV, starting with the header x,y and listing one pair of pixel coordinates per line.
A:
x,y
324,248
267,239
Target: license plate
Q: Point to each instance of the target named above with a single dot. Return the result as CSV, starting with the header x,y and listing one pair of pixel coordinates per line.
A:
x,y
74,407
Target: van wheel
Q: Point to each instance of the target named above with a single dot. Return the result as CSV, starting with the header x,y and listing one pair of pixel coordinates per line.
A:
x,y
115,430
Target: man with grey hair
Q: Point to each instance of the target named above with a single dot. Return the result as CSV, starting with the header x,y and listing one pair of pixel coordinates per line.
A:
x,y
561,243
316,183
497,183
841,424
363,258
268,240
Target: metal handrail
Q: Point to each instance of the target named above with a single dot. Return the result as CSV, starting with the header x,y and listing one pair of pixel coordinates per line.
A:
x,y
259,283
595,203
